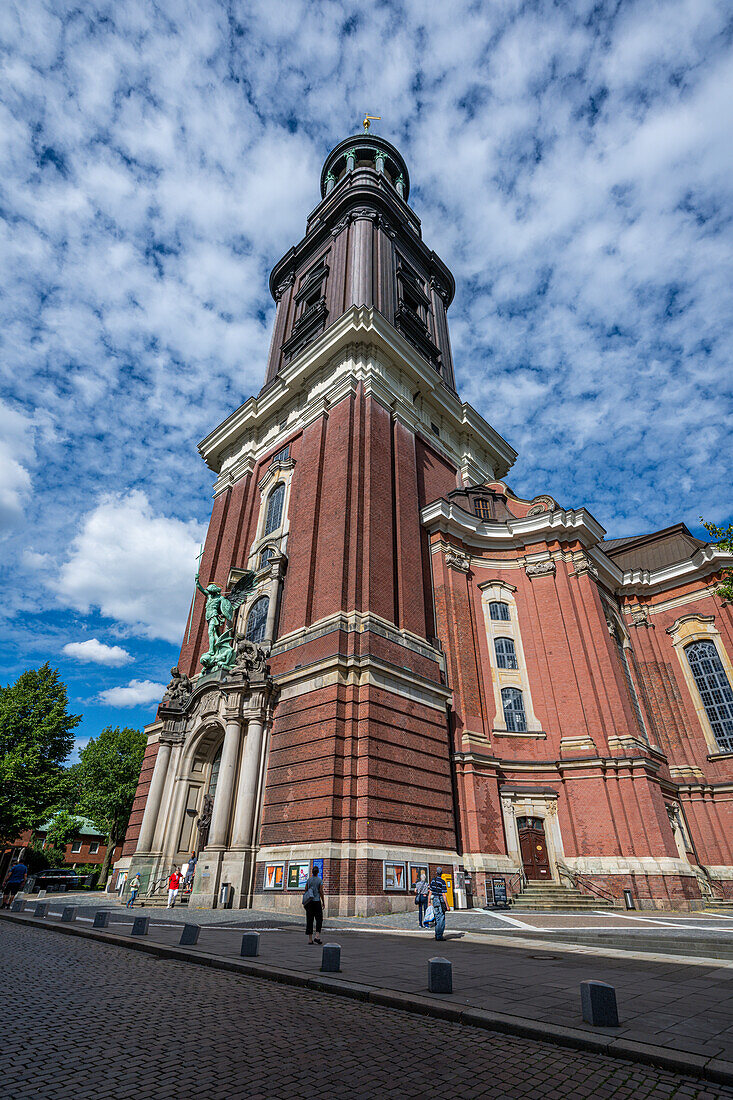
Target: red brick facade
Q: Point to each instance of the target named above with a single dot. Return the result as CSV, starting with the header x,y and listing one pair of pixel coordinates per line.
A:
x,y
389,740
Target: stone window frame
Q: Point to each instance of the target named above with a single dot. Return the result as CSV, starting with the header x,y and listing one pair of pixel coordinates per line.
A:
x,y
683,632
622,644
502,592
279,470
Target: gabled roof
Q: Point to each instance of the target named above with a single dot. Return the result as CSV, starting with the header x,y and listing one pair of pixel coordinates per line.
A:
x,y
654,550
86,828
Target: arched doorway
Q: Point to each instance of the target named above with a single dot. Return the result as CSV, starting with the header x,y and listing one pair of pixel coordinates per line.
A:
x,y
533,846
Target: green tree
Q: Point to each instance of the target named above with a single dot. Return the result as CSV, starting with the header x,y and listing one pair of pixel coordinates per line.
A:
x,y
62,828
108,771
35,739
724,538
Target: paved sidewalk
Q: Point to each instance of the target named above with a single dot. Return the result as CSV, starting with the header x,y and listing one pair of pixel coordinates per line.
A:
x,y
685,1010
152,1028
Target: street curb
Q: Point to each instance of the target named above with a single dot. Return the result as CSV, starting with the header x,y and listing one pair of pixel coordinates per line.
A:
x,y
711,1069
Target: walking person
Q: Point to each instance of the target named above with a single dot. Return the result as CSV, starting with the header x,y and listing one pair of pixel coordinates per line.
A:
x,y
440,905
190,871
421,898
14,880
134,891
174,883
313,900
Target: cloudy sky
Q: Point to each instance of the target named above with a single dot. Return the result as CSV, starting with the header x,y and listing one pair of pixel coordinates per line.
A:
x,y
572,163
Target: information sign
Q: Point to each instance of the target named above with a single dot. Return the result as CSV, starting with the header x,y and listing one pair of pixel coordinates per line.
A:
x,y
498,888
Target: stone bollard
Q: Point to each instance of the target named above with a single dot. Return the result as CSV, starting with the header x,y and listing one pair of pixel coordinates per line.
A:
x,y
68,913
101,918
18,906
331,958
140,926
440,975
41,909
189,935
250,944
598,1004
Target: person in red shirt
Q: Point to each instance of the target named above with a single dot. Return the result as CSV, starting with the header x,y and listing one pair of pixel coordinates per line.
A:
x,y
173,884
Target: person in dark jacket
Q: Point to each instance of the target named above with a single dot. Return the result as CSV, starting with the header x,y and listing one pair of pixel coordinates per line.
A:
x,y
15,879
437,891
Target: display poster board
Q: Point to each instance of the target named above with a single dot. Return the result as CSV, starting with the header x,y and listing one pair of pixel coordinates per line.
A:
x,y
298,875
395,876
498,890
417,869
274,876
318,867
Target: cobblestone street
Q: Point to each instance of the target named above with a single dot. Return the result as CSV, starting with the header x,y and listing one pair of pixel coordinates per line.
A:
x,y
82,1019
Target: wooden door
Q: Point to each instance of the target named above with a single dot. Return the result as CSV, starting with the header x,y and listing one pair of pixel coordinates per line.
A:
x,y
533,847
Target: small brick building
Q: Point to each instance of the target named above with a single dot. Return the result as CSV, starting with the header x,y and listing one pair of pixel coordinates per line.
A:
x,y
455,675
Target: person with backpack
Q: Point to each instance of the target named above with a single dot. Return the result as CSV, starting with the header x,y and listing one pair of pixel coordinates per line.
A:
x,y
313,901
421,898
440,905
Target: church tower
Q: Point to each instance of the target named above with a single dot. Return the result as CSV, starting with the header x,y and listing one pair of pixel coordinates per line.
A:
x,y
329,739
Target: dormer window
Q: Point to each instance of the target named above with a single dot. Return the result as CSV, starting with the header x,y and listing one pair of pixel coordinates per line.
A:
x,y
482,509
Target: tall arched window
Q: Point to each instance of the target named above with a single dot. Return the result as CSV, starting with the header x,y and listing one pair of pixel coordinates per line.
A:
x,y
513,704
506,656
499,610
257,621
715,690
274,515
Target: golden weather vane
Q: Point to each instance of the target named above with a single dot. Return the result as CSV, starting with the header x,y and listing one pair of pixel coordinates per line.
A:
x,y
369,119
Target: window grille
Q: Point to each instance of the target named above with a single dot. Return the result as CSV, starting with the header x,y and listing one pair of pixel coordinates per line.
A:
x,y
266,556
514,716
274,516
482,509
499,610
506,656
257,621
283,455
715,690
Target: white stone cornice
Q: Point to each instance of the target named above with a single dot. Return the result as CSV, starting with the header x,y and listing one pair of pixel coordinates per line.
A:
x,y
562,525
362,346
448,517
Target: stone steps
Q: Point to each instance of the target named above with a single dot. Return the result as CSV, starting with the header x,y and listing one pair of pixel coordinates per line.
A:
x,y
550,895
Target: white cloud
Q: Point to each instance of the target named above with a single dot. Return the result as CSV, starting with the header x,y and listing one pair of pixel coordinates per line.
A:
x,y
138,693
96,652
133,565
16,451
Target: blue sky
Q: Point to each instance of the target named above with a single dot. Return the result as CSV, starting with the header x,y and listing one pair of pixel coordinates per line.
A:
x,y
572,163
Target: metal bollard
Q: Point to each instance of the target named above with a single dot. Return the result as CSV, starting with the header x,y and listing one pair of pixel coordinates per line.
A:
x,y
598,1004
17,906
140,926
41,909
101,918
250,944
331,958
189,935
68,913
440,975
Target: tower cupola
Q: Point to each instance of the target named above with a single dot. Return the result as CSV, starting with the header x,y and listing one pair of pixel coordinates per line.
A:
x,y
365,151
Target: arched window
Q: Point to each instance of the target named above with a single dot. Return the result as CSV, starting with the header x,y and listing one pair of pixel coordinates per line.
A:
x,y
499,610
274,516
257,621
266,556
715,690
506,656
513,704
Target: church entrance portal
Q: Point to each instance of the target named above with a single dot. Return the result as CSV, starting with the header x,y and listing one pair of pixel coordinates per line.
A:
x,y
533,846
